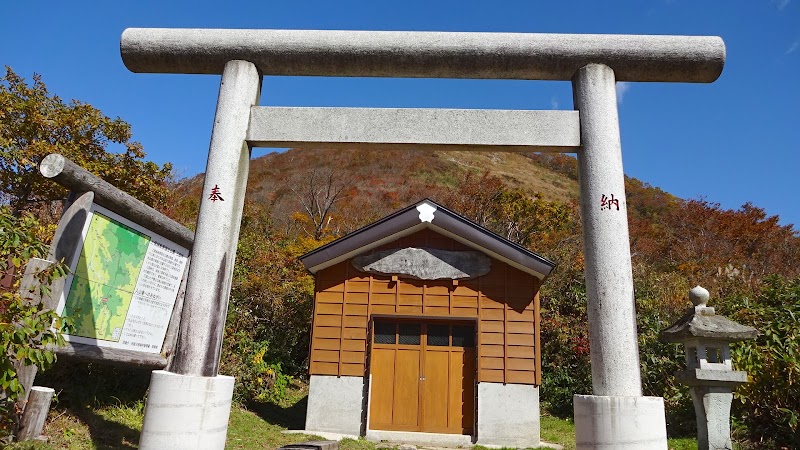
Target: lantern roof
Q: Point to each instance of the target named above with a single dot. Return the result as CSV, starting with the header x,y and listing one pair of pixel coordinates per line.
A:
x,y
703,322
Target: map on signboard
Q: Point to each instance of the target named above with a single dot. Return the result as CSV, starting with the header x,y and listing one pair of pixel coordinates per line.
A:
x,y
105,278
123,285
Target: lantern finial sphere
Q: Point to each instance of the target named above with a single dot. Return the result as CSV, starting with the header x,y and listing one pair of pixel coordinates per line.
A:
x,y
699,296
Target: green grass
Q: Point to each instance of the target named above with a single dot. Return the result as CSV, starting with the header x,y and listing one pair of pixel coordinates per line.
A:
x,y
562,431
117,426
558,431
107,413
247,430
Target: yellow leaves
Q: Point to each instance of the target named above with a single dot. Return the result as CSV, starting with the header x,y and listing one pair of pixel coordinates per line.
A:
x,y
258,358
35,122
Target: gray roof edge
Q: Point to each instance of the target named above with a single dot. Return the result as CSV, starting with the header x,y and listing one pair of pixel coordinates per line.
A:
x,y
442,218
491,241
389,225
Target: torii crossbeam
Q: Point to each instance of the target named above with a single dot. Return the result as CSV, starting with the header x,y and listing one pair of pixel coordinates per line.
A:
x,y
617,415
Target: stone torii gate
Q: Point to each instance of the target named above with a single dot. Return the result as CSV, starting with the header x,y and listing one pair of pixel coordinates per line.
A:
x,y
189,405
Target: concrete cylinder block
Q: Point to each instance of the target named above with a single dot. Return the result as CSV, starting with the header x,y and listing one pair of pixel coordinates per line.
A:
x,y
621,423
186,412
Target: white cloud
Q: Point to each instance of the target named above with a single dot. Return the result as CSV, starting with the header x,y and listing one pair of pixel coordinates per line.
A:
x,y
553,103
792,48
781,4
622,88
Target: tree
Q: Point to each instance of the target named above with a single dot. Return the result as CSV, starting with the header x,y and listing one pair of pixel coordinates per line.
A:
x,y
35,123
318,198
26,327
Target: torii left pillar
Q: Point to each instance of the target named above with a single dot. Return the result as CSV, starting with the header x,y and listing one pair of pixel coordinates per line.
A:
x,y
189,405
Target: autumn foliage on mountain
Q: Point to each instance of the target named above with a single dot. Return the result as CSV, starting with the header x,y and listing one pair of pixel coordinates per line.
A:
x,y
300,199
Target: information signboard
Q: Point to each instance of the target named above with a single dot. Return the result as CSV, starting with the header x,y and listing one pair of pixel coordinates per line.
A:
x,y
123,285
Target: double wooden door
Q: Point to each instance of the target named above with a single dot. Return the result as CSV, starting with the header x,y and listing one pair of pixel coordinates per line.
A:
x,y
423,376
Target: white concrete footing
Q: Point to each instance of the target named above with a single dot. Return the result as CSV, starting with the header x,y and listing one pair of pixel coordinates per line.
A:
x,y
508,415
421,439
335,404
624,423
712,406
186,412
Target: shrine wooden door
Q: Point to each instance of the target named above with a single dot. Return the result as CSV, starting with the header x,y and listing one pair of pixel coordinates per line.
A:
x,y
423,376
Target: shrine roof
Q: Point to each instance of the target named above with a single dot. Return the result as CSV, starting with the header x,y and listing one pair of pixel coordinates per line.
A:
x,y
427,214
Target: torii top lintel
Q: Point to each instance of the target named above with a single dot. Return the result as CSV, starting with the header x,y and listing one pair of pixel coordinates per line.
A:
x,y
415,54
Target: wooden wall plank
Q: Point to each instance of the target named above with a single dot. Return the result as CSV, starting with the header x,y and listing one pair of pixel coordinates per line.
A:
x,y
491,326
358,286
520,339
326,356
409,300
358,298
382,299
325,344
327,320
436,300
490,375
330,285
328,332
356,370
324,368
411,287
330,297
437,311
521,377
354,345
493,314
354,333
383,309
491,338
410,310
328,308
518,351
353,357
491,351
462,301
520,316
355,322
520,327
355,310
537,335
492,363
464,312
521,364
505,301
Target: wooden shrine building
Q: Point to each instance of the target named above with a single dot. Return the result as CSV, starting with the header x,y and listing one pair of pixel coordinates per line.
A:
x,y
426,329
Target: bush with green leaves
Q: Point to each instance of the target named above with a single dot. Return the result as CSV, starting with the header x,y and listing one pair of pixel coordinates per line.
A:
x,y
767,408
26,327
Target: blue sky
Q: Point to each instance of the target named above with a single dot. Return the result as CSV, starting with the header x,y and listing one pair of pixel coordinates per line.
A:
x,y
731,142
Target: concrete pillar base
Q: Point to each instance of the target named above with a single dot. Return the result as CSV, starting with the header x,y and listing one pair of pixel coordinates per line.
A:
x,y
186,412
508,415
712,405
624,423
335,404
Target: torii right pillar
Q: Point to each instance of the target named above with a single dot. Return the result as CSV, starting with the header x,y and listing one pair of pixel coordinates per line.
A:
x,y
617,415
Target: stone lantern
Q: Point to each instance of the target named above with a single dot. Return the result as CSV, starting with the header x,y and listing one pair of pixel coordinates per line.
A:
x,y
706,338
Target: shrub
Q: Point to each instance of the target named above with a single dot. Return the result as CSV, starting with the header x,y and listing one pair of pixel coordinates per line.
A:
x,y
26,327
769,405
